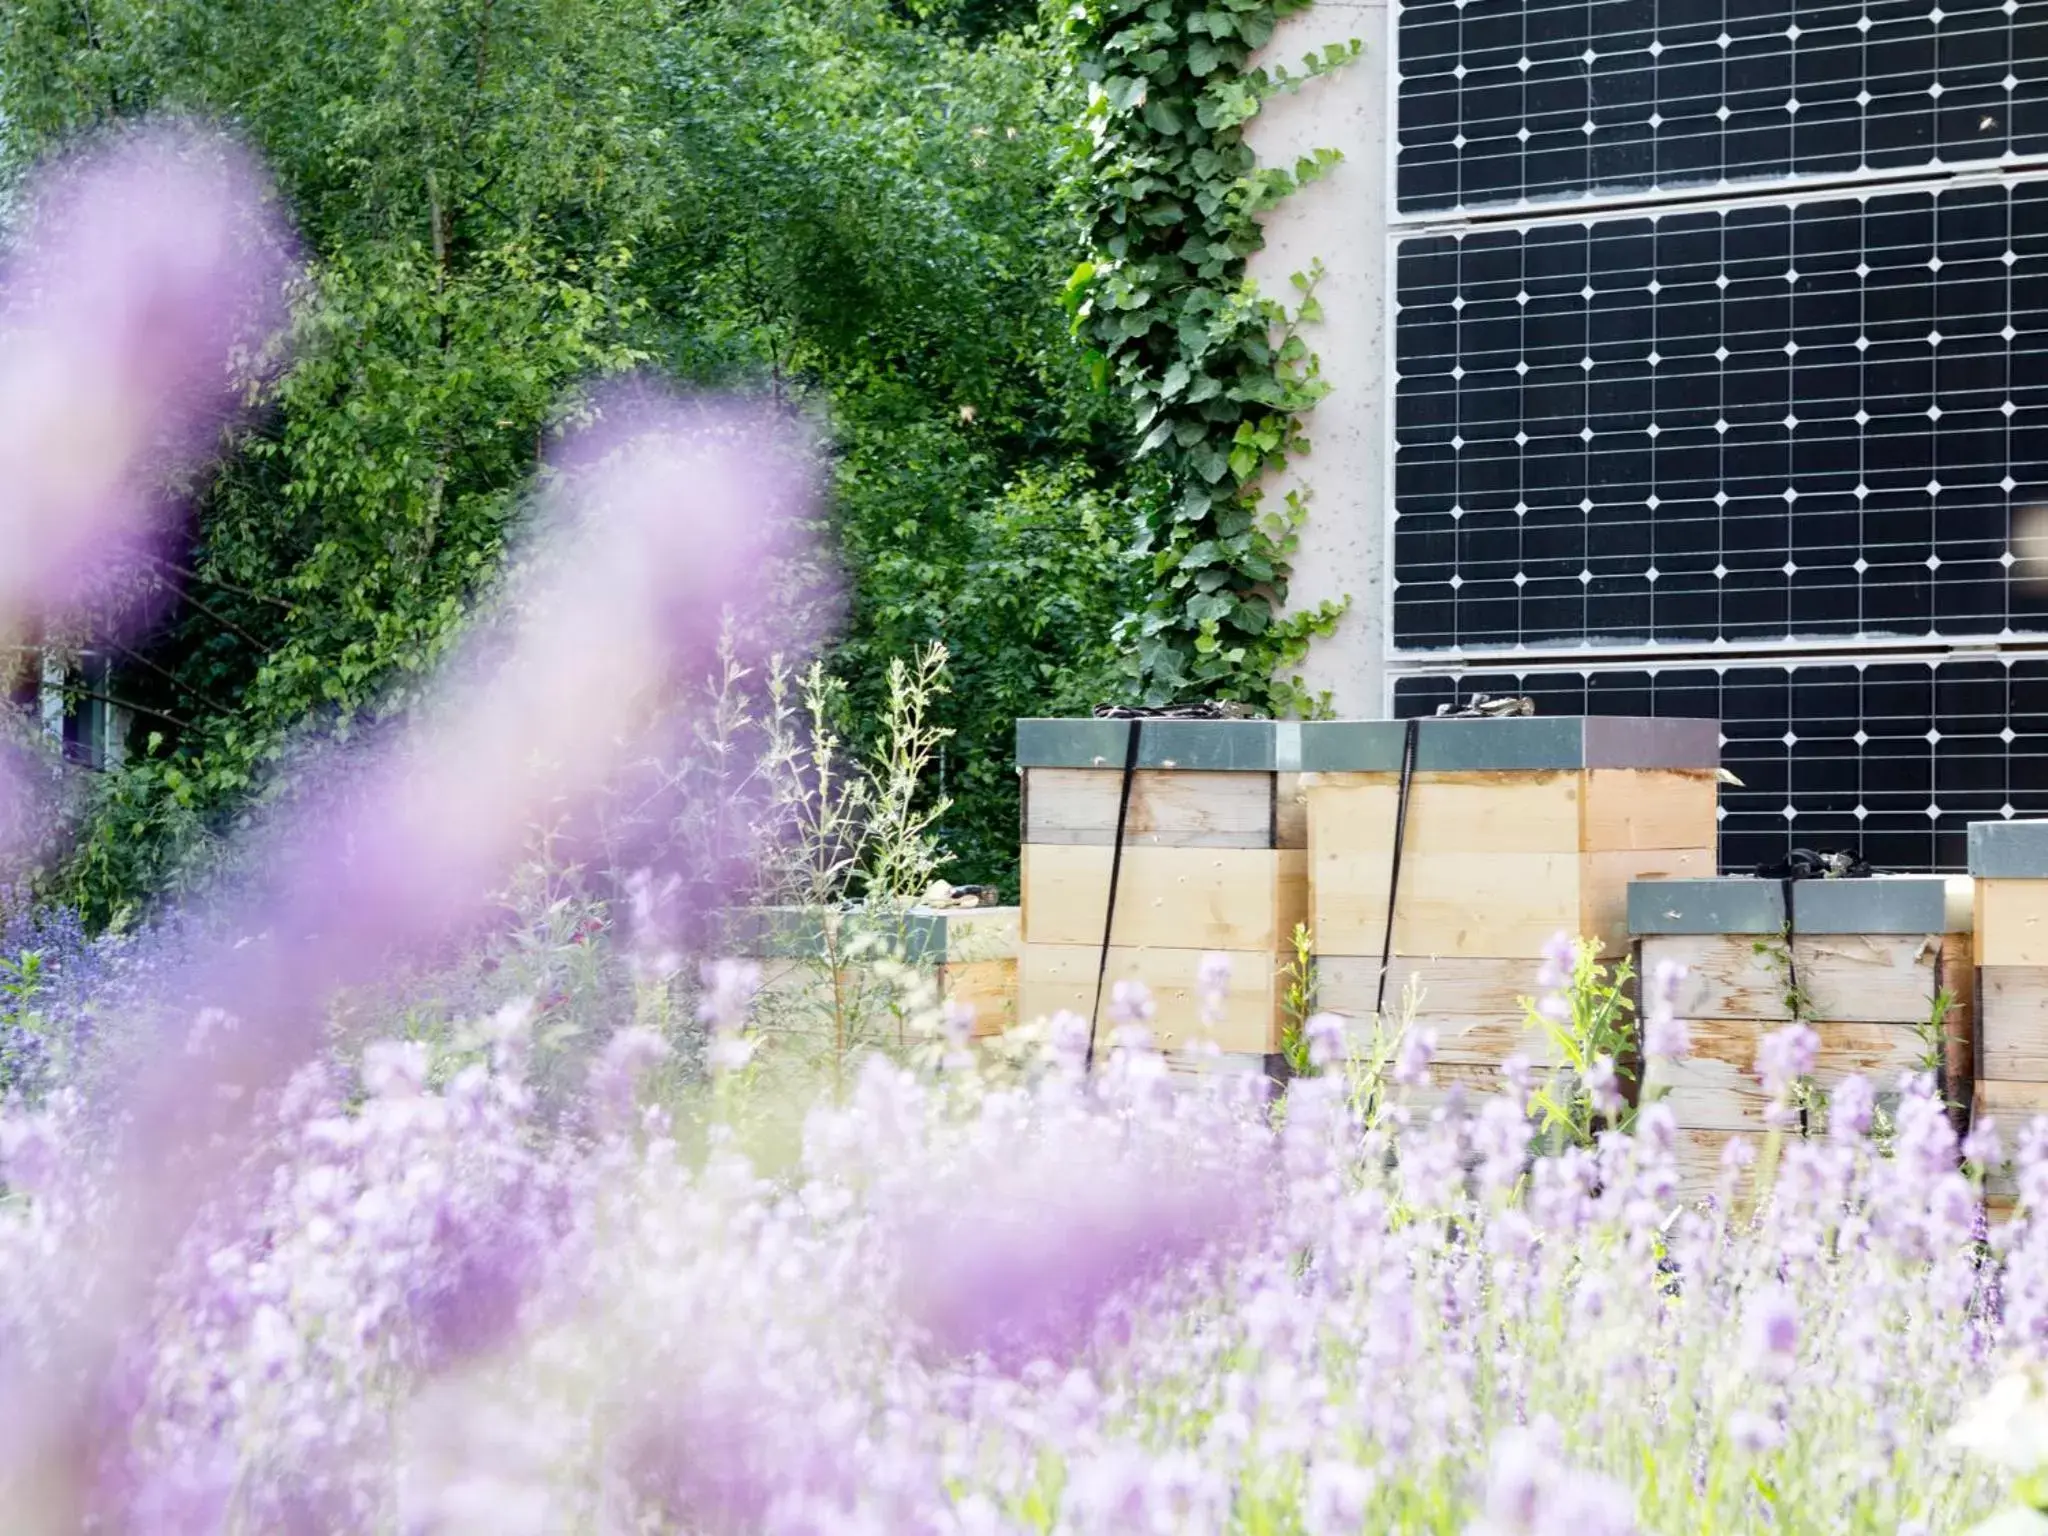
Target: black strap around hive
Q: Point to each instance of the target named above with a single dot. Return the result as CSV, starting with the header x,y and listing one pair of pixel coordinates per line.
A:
x,y
1116,865
1408,744
1807,864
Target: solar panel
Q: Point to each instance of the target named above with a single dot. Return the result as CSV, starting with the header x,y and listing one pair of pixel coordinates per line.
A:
x,y
1892,757
1747,423
1502,103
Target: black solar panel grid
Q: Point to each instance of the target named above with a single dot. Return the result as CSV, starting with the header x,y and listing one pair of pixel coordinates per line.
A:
x,y
1501,104
1893,757
1768,421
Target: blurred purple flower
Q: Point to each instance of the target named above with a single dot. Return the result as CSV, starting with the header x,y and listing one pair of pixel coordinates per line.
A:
x,y
1784,1056
1411,1063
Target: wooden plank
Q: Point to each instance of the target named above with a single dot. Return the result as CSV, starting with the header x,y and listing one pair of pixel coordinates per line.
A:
x,y
1476,905
2014,1023
1351,815
989,987
1716,1088
2012,922
1055,977
1168,898
1464,1039
1290,811
1604,881
1627,808
2012,1103
1699,1163
983,933
1465,1080
1452,985
1078,806
1883,978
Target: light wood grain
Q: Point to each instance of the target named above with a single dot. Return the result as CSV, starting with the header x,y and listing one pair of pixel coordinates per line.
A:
x,y
1604,881
1699,1164
1484,986
1716,1088
2014,1023
2012,1103
1504,905
1061,977
1880,977
1168,898
2012,922
989,987
1168,809
1628,808
1352,815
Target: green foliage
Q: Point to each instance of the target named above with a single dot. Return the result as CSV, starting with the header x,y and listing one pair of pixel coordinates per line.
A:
x,y
1595,1021
849,209
1298,1002
1218,373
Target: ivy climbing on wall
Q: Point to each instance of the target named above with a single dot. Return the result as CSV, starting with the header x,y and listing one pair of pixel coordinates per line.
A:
x,y
1219,374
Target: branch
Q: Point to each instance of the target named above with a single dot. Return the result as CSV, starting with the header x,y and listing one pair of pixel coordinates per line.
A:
x,y
133,708
173,679
223,586
225,622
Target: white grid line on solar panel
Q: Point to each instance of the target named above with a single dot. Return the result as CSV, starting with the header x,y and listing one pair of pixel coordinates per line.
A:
x,y
1570,52
1670,107
1838,657
1636,651
1669,226
1708,440
1690,201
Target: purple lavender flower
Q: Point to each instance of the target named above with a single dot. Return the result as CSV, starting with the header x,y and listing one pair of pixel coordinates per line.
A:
x,y
1983,1145
1560,962
1603,1088
1411,1062
1852,1107
1325,1035
1771,1330
1784,1056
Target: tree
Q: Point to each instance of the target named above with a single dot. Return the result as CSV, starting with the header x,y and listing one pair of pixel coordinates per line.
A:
x,y
848,207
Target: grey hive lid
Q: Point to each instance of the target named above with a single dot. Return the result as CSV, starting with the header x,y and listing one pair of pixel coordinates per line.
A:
x,y
2009,850
1897,904
1526,744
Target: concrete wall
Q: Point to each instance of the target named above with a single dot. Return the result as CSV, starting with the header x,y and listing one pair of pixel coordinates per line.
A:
x,y
1342,221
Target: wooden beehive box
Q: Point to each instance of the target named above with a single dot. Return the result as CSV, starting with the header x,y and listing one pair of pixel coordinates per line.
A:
x,y
1870,958
1518,829
970,952
2009,861
1214,861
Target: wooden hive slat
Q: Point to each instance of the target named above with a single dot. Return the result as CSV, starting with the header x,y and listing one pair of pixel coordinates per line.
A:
x,y
1456,984
1235,899
2012,922
1878,977
1496,864
1061,977
2015,1017
1167,809
1639,808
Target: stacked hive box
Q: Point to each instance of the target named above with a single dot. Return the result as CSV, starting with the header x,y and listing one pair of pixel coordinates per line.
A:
x,y
2009,860
1517,830
970,952
1869,958
1213,862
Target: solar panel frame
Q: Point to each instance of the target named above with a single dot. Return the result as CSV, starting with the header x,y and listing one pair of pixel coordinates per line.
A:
x,y
1523,518
1506,106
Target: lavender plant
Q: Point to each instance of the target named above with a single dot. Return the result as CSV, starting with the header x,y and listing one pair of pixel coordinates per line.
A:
x,y
1032,1303
259,1284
